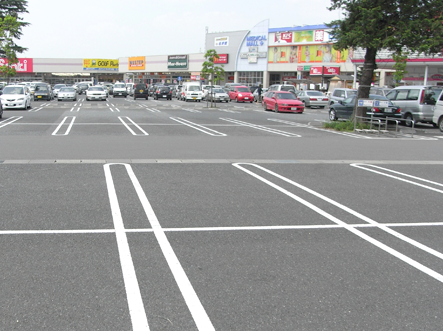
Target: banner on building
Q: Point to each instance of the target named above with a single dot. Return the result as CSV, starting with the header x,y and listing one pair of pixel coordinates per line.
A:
x,y
136,63
222,59
23,64
177,62
100,65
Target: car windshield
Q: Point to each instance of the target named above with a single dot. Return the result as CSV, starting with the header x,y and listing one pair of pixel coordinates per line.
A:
x,y
194,88
164,88
350,100
218,90
96,88
243,89
40,88
314,93
59,86
13,90
286,96
119,85
67,89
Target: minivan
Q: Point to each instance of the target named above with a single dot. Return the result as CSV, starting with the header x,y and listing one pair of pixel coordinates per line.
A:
x,y
340,94
417,102
284,87
438,113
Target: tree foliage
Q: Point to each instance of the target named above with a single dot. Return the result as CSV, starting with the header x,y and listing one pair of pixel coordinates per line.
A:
x,y
8,28
13,8
395,25
211,70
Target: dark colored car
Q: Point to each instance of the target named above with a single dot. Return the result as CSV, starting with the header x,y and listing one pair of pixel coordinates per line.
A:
x,y
163,92
141,91
344,109
82,88
42,92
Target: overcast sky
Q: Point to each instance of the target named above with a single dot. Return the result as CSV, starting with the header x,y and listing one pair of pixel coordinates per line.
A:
x,y
110,29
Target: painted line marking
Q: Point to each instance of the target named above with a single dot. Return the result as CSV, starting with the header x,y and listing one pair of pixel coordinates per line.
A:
x,y
363,165
121,118
348,134
192,110
360,234
153,110
198,127
230,111
61,124
196,308
35,109
263,128
10,120
135,302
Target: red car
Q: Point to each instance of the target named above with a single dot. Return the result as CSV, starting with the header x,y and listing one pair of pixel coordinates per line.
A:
x,y
282,101
241,93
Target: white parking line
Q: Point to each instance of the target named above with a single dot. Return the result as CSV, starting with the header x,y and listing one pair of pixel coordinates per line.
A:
x,y
10,120
135,302
360,234
263,128
198,127
192,110
363,165
61,124
196,308
153,110
144,133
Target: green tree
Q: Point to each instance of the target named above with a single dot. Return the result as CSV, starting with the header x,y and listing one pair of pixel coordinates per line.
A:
x,y
13,8
395,25
8,28
210,70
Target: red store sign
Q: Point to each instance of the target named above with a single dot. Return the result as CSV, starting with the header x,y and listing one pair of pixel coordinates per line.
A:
x,y
23,65
329,71
223,59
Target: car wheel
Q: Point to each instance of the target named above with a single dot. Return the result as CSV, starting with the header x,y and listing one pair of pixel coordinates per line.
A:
x,y
332,115
440,124
276,108
409,119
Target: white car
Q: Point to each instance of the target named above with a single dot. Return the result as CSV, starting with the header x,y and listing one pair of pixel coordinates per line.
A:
x,y
120,90
218,94
207,88
57,88
67,93
16,96
95,93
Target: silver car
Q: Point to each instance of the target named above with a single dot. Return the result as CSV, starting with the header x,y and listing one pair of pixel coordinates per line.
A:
x,y
67,93
57,88
313,99
437,119
217,94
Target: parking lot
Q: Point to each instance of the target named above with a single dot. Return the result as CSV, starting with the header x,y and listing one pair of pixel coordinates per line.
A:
x,y
166,215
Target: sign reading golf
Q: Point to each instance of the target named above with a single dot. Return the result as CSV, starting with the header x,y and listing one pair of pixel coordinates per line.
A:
x,y
100,65
177,62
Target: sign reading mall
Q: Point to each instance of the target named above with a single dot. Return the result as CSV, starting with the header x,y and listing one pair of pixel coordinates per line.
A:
x,y
177,62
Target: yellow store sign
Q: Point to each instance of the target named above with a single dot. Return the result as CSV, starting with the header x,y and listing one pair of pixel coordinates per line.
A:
x,y
100,65
137,63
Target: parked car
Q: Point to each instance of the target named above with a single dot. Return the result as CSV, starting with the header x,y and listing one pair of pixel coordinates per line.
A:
x,y
130,88
207,88
438,113
16,96
95,93
217,94
42,92
313,99
151,90
57,88
141,91
282,101
284,87
344,109
120,90
67,93
416,102
163,92
176,91
82,88
340,94
380,90
241,93
191,91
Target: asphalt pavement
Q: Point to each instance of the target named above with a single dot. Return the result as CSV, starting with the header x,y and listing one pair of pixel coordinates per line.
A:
x,y
165,215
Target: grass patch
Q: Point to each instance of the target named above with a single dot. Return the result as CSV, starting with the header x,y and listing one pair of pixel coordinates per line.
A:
x,y
345,126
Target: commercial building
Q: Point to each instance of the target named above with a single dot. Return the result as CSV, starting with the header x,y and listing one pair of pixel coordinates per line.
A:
x,y
301,55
